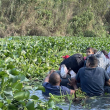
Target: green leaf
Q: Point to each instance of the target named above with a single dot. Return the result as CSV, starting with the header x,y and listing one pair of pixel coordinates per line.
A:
x,y
27,94
39,107
13,71
25,108
19,96
14,79
2,73
8,90
41,88
1,104
28,87
22,102
10,66
9,101
9,59
34,97
8,93
22,95
45,69
17,86
22,77
30,105
10,97
1,98
12,107
51,103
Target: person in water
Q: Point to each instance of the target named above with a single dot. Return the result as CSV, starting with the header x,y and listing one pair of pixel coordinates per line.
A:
x,y
92,79
52,85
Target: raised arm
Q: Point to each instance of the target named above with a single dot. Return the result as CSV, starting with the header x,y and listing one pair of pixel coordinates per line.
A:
x,y
47,77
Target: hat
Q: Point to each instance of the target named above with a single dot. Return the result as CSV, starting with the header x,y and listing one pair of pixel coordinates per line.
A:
x,y
65,57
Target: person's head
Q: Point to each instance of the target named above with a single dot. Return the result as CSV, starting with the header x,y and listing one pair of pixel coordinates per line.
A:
x,y
90,51
54,79
92,62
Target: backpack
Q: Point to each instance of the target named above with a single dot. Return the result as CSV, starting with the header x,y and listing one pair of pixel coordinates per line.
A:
x,y
74,62
103,61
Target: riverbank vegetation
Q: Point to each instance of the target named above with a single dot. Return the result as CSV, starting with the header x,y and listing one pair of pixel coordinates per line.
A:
x,y
89,18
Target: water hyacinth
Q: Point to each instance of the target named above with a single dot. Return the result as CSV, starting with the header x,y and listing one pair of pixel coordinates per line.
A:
x,y
26,60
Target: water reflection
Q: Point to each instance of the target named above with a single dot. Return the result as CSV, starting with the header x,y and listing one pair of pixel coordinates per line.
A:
x,y
94,103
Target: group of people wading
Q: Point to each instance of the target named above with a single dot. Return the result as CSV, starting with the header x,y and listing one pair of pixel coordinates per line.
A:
x,y
90,73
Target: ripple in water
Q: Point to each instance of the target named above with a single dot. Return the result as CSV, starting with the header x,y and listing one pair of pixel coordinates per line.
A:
x,y
97,103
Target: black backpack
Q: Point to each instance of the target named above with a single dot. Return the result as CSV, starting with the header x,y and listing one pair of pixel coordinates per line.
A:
x,y
74,62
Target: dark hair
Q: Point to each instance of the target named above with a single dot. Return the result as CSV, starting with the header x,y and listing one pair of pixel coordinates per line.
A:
x,y
94,50
54,78
93,61
104,52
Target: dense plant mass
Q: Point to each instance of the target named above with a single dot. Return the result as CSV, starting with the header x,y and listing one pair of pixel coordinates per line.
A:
x,y
25,58
36,55
89,18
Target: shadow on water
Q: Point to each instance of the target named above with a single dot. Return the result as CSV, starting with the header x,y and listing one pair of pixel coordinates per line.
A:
x,y
93,103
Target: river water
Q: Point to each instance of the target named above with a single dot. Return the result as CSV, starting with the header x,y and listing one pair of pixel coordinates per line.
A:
x,y
97,103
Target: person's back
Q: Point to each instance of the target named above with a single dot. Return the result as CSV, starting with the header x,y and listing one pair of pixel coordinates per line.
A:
x,y
56,90
52,85
92,78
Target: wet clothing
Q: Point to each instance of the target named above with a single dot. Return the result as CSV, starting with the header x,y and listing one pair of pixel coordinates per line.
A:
x,y
92,80
56,90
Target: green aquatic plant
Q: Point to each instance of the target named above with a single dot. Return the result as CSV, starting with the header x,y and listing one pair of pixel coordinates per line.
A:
x,y
25,61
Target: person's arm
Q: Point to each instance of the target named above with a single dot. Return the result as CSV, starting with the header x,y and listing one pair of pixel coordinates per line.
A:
x,y
73,83
74,80
108,82
72,91
107,78
47,77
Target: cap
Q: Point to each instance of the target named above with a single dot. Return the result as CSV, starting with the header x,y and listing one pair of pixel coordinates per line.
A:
x,y
65,57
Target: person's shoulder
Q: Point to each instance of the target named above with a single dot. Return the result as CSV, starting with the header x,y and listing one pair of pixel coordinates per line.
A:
x,y
81,69
45,84
64,88
99,68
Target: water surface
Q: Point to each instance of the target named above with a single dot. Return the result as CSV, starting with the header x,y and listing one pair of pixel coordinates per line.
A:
x,y
95,103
